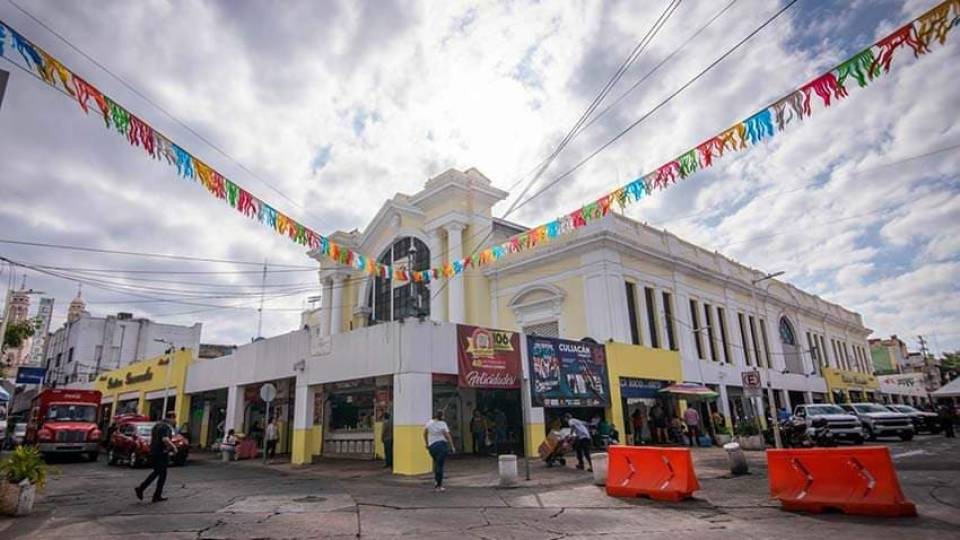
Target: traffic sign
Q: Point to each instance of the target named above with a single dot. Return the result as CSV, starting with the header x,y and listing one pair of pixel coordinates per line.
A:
x,y
751,383
268,392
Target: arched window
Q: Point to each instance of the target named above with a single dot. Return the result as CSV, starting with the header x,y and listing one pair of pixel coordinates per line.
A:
x,y
786,332
391,301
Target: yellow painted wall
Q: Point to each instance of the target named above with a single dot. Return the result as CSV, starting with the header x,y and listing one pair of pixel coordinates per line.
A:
x,y
302,443
410,455
178,364
624,360
845,381
534,434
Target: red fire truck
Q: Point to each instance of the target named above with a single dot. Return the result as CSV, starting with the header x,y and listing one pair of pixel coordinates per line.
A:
x,y
64,421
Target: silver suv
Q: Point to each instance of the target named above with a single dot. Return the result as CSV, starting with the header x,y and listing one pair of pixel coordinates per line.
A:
x,y
879,421
842,425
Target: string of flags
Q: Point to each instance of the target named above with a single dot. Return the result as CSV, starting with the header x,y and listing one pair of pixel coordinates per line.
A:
x,y
830,87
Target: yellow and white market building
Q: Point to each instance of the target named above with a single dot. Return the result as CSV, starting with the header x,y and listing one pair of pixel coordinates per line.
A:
x,y
666,310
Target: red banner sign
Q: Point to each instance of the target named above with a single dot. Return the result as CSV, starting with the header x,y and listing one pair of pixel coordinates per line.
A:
x,y
487,358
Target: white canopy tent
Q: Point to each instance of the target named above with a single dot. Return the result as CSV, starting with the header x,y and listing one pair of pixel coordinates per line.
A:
x,y
949,390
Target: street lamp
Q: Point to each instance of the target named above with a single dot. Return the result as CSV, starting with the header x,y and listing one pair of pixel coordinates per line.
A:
x,y
770,401
166,380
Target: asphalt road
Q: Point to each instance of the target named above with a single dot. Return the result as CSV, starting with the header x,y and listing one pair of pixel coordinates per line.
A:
x,y
210,499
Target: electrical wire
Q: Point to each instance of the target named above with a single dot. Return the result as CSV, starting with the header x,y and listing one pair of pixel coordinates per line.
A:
x,y
145,254
657,107
607,88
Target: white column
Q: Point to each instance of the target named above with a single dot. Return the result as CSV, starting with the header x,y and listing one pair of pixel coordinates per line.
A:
x,y
725,403
303,404
438,306
325,309
336,309
234,419
457,308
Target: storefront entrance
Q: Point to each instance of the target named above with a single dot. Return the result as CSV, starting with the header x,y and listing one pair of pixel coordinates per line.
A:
x,y
503,417
349,417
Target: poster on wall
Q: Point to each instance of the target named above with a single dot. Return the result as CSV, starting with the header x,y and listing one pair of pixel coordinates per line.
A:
x,y
487,358
566,373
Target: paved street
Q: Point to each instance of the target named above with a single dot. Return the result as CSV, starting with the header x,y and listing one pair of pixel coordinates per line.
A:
x,y
209,499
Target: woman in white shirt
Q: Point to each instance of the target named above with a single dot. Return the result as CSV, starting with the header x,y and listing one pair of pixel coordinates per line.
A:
x,y
436,436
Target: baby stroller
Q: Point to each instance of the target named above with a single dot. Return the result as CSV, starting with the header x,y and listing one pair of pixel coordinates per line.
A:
x,y
555,446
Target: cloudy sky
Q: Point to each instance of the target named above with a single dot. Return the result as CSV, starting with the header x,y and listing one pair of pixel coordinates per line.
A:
x,y
339,105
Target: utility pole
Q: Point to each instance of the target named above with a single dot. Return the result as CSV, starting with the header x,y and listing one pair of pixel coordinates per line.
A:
x,y
771,404
263,286
923,348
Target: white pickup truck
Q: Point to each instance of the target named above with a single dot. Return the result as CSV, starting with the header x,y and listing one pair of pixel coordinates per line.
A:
x,y
842,424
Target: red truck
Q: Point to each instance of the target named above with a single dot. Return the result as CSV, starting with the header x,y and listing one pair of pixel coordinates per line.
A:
x,y
64,421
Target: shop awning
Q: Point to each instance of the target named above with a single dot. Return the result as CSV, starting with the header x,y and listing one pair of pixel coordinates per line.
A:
x,y
690,391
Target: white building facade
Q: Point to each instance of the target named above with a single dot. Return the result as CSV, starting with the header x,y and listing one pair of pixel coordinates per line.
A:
x,y
86,345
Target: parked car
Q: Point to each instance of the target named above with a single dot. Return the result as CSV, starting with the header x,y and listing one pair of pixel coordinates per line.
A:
x,y
922,420
15,436
878,421
130,443
842,425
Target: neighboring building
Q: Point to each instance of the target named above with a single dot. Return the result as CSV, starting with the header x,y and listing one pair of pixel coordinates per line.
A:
x,y
907,388
86,346
675,312
888,355
139,388
929,367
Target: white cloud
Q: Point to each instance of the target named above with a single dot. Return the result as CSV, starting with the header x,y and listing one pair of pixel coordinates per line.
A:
x,y
492,85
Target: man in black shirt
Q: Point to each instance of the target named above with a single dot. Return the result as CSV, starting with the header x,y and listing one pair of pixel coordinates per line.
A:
x,y
160,444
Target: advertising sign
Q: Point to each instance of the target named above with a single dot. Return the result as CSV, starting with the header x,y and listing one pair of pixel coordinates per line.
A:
x,y
31,375
487,358
566,373
640,388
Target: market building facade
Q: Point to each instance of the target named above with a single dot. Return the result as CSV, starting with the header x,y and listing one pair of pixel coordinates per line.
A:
x,y
661,310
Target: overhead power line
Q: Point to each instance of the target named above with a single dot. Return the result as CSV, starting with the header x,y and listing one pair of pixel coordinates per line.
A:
x,y
144,254
660,105
614,79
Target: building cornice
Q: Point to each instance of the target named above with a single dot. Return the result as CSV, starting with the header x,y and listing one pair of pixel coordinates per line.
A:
x,y
598,236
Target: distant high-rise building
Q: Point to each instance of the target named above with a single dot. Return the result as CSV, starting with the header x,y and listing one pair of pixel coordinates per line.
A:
x,y
41,328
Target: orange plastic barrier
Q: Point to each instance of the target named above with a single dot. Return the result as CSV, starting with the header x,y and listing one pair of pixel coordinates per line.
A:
x,y
663,474
857,480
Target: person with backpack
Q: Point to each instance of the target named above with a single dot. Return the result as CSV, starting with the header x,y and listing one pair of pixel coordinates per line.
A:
x,y
160,447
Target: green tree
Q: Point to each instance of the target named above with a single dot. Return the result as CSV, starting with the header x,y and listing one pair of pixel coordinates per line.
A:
x,y
17,332
951,360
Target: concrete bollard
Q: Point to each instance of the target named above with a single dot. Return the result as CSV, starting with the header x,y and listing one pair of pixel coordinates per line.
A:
x,y
508,470
599,460
224,455
738,461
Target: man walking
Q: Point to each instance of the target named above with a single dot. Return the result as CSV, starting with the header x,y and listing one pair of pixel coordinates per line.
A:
x,y
387,438
691,417
160,444
272,438
947,418
582,443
